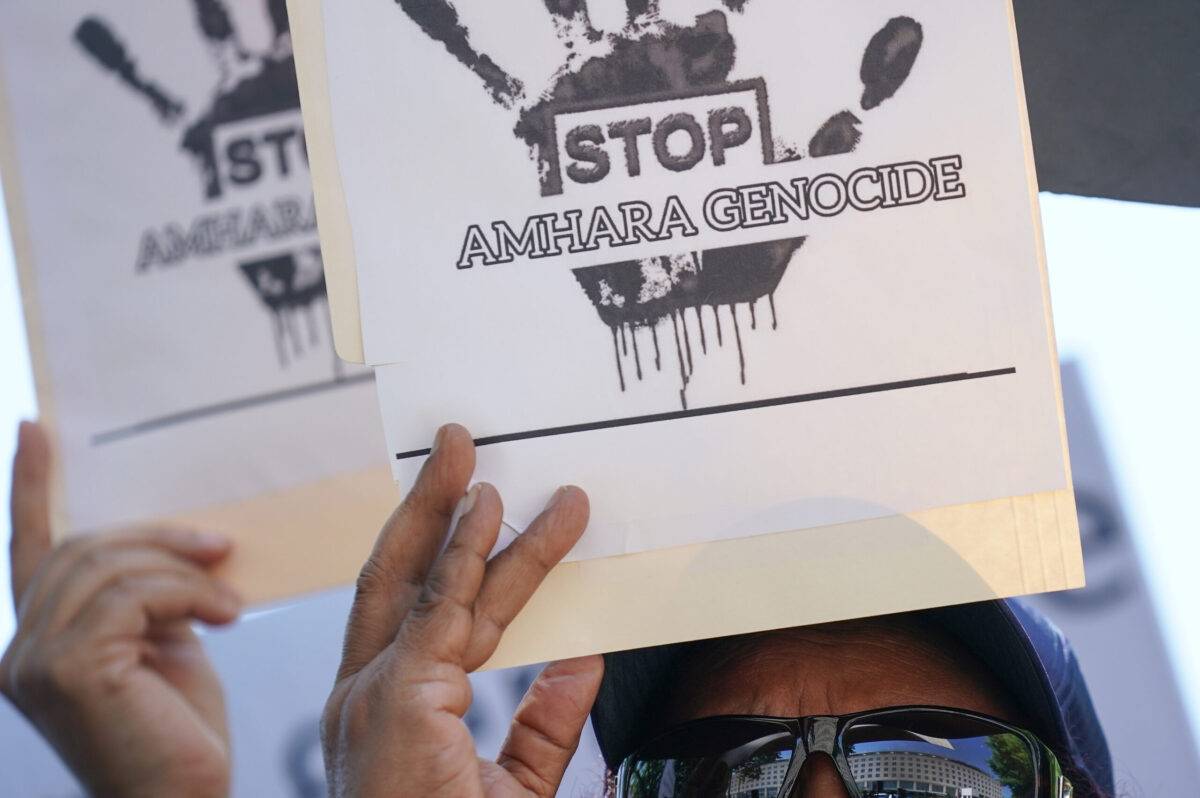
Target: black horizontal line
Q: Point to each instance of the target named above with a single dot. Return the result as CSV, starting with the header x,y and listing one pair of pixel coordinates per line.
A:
x,y
757,404
221,408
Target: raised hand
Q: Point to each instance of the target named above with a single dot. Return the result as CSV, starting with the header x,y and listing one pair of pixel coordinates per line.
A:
x,y
104,662
423,618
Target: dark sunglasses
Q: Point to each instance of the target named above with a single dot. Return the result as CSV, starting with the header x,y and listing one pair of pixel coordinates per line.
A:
x,y
898,752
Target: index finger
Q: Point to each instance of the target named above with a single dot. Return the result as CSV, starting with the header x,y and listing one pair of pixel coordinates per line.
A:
x,y
394,575
29,505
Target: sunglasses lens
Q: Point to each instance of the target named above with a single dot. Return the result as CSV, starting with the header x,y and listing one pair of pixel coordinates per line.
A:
x,y
921,754
715,759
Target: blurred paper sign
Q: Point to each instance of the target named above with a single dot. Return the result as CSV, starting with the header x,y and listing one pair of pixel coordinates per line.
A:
x,y
1133,682
782,310
157,181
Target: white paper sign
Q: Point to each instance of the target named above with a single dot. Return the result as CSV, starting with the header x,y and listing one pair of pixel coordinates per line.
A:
x,y
735,267
179,307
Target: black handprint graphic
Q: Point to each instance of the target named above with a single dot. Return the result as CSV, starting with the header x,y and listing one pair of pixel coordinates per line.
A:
x,y
249,85
652,58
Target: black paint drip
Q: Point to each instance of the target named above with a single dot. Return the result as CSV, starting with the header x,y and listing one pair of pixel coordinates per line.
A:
x,y
633,296
288,291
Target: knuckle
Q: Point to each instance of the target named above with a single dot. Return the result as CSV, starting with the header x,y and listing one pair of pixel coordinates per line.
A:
x,y
436,636
437,594
433,492
544,735
117,597
121,590
537,552
330,722
531,779
440,687
70,551
353,722
72,547
107,678
544,557
424,501
378,579
488,625
371,580
90,558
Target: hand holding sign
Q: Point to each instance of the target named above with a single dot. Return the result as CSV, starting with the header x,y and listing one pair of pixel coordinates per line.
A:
x,y
422,621
104,661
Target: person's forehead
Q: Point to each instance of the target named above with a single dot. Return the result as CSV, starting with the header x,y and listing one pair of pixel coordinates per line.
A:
x,y
834,670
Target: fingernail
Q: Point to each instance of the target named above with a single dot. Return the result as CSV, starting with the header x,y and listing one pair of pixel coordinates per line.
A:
x,y
437,440
211,540
469,501
557,497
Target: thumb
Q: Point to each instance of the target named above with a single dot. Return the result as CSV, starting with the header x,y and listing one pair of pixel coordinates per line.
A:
x,y
545,731
30,505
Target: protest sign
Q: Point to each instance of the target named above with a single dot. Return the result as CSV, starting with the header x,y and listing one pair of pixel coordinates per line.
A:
x,y
776,299
157,182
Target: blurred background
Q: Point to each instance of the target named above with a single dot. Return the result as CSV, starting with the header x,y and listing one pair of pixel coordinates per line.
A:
x,y
1124,280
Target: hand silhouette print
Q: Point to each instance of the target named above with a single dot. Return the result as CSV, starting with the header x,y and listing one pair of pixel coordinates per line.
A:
x,y
651,57
247,85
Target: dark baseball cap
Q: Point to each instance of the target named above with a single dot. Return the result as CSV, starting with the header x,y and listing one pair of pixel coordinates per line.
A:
x,y
1028,655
